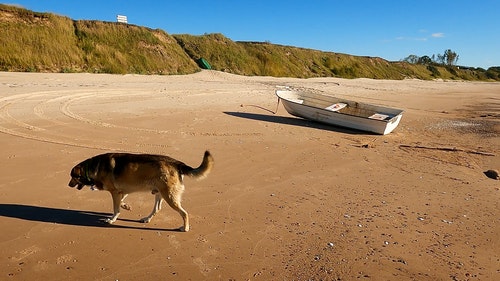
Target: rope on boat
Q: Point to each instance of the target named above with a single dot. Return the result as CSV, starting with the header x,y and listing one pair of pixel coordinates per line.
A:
x,y
277,105
258,106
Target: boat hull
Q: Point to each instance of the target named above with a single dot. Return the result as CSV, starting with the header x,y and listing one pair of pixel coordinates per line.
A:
x,y
365,117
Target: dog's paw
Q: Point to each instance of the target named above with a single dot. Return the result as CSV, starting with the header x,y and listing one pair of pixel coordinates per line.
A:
x,y
109,220
184,228
125,206
145,220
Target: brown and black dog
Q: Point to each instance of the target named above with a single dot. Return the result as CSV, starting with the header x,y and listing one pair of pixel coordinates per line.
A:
x,y
124,173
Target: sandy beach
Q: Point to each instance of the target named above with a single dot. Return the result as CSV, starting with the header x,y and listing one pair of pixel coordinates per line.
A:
x,y
288,199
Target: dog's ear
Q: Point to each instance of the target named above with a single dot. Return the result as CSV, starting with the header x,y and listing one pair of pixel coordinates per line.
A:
x,y
76,171
79,170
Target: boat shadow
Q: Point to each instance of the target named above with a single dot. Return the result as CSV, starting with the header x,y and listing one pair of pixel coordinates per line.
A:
x,y
295,121
65,216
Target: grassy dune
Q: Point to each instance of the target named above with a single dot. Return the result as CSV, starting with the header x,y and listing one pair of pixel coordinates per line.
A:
x,y
45,42
121,48
33,41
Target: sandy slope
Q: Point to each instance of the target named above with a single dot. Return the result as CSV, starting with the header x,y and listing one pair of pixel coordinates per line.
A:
x,y
288,199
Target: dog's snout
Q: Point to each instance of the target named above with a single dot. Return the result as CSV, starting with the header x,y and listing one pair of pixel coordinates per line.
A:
x,y
72,182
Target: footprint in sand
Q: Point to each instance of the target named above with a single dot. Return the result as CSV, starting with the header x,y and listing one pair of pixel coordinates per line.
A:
x,y
65,258
204,269
26,253
174,242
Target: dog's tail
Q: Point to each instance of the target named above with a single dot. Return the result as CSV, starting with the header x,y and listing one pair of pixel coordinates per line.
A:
x,y
203,170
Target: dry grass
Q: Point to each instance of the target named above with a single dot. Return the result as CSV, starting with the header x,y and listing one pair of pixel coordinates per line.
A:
x,y
45,42
121,48
34,41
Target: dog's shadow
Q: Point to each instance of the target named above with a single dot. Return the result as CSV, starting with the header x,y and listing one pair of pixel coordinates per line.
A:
x,y
65,216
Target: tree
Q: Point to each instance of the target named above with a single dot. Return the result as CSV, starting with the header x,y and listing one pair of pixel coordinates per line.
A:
x,y
450,57
424,60
413,59
440,58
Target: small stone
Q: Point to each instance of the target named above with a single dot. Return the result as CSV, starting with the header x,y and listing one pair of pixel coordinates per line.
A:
x,y
492,174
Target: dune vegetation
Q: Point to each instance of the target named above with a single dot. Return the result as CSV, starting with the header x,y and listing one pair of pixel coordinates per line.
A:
x,y
44,42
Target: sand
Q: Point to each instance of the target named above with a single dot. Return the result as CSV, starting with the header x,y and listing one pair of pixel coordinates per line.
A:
x,y
288,199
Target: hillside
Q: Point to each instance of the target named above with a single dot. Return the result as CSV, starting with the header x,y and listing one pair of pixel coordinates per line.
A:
x,y
33,41
253,58
44,42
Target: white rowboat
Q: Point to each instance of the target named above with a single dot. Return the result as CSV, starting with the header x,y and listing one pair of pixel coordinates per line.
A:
x,y
340,112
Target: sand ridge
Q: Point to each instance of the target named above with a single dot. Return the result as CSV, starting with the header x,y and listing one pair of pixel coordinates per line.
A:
x,y
288,199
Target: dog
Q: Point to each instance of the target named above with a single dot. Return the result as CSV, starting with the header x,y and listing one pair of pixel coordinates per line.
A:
x,y
125,173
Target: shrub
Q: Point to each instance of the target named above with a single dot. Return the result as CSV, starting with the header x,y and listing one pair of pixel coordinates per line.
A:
x,y
434,71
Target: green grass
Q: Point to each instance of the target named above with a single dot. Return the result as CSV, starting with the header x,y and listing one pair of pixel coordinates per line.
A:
x,y
36,41
32,41
45,42
121,48
265,59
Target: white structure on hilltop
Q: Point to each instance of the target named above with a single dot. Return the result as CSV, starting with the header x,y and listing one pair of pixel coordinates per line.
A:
x,y
122,19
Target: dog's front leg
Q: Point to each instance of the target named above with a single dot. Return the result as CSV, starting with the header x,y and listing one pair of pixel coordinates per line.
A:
x,y
117,199
123,204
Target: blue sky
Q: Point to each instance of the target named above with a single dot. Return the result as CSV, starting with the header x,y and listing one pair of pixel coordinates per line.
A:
x,y
380,28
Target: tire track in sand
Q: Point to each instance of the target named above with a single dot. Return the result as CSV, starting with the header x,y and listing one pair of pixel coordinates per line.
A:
x,y
49,116
51,107
13,126
65,109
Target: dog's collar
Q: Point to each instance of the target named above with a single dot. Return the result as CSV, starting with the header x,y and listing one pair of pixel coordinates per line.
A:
x,y
87,177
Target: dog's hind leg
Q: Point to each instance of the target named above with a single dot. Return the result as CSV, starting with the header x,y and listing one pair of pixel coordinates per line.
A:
x,y
117,198
156,209
173,198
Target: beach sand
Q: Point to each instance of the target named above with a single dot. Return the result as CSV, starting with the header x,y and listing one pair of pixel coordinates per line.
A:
x,y
288,199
